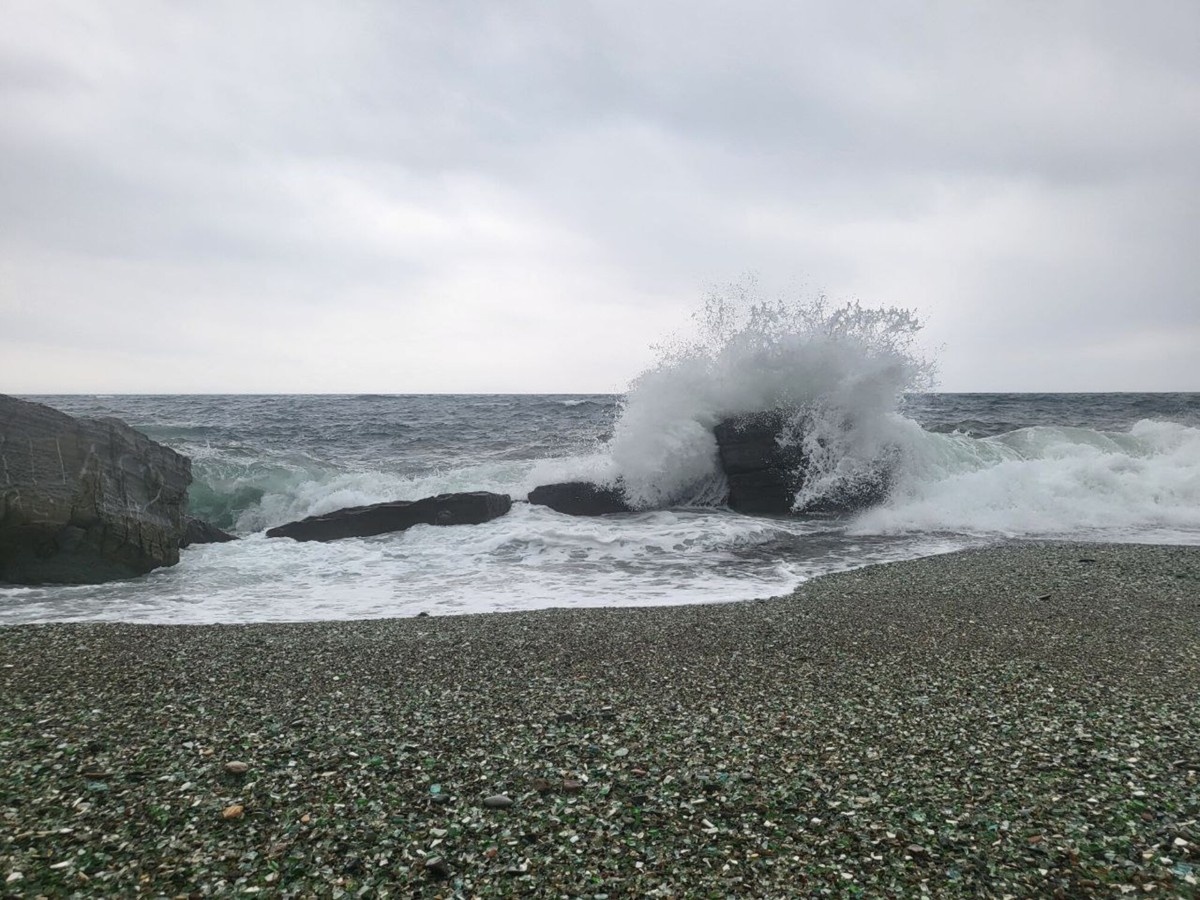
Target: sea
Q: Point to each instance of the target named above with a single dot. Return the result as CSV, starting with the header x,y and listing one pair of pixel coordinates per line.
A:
x,y
976,469
961,470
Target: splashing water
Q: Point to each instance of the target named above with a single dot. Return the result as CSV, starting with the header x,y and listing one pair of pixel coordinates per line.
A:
x,y
1047,481
837,373
963,470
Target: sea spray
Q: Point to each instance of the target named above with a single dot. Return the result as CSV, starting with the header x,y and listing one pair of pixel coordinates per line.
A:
x,y
836,372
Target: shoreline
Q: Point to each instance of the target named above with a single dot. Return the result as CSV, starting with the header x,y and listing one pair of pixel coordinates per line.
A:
x,y
1019,719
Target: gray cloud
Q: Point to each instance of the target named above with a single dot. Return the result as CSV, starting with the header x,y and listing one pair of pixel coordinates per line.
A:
x,y
523,196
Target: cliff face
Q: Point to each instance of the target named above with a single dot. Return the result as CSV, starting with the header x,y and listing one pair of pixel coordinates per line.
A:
x,y
84,501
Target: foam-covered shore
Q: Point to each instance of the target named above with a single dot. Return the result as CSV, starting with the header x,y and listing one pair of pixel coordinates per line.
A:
x,y
1021,720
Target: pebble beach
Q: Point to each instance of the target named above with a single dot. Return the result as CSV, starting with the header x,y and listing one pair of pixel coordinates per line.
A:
x,y
1016,721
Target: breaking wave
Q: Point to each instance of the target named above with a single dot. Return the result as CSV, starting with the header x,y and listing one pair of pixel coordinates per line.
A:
x,y
837,373
1036,465
1048,481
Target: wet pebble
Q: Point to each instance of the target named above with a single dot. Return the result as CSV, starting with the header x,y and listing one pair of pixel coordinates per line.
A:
x,y
437,867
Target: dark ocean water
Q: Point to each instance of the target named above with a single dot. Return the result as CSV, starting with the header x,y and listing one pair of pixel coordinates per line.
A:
x,y
975,468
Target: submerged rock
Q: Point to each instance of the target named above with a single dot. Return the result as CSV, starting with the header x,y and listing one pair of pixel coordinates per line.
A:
x,y
84,501
471,508
197,531
580,498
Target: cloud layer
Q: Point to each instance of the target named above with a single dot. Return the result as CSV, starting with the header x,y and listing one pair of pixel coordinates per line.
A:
x,y
453,196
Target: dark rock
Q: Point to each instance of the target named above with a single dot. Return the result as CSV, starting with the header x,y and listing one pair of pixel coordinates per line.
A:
x,y
437,867
197,531
765,472
763,475
84,501
580,498
868,489
363,521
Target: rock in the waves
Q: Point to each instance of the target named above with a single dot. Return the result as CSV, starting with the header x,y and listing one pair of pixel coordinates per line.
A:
x,y
84,501
763,475
471,508
197,531
580,498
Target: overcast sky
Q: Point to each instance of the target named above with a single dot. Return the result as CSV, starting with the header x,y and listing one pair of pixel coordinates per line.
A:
x,y
524,196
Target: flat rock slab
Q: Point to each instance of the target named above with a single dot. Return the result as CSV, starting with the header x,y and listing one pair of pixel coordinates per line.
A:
x,y
580,498
473,508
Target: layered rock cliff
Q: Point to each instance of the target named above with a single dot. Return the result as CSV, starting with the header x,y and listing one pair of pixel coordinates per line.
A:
x,y
84,501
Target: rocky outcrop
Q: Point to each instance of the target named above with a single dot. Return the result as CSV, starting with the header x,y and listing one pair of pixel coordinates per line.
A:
x,y
763,475
870,488
580,498
197,531
363,521
83,501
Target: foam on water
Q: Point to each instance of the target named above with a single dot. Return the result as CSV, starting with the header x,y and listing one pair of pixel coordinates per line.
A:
x,y
1047,481
532,558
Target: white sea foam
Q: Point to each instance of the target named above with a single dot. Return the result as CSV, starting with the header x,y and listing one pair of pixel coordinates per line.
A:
x,y
529,559
1047,481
